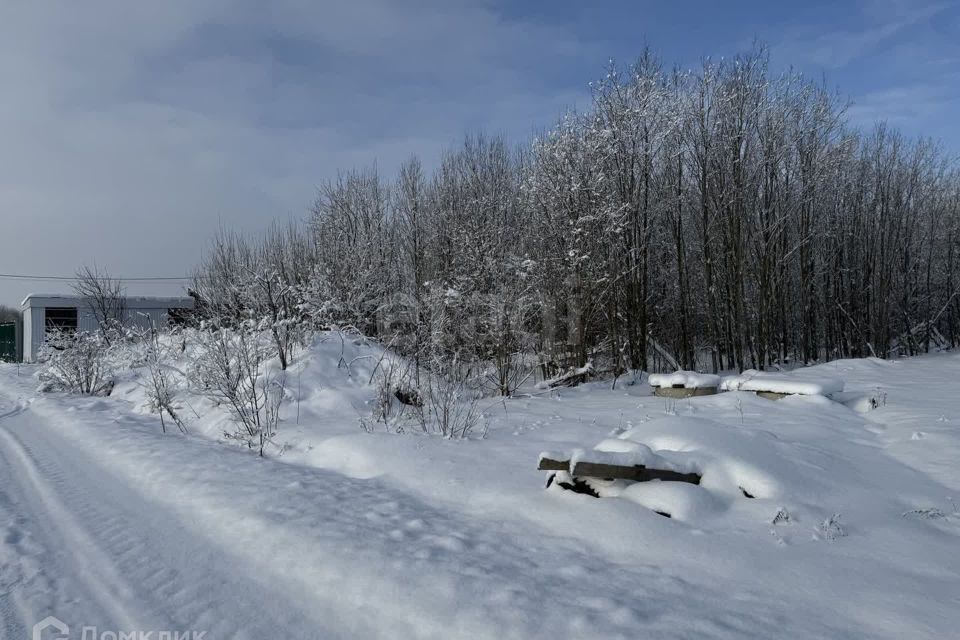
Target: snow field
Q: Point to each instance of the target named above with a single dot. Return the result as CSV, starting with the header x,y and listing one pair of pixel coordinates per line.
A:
x,y
343,533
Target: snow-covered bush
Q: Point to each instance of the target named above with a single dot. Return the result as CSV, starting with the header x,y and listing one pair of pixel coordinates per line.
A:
x,y
266,280
78,362
162,378
449,393
507,371
230,367
830,529
451,404
445,402
508,347
396,390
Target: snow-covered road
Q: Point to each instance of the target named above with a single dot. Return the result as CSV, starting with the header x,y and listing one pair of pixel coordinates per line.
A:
x,y
80,544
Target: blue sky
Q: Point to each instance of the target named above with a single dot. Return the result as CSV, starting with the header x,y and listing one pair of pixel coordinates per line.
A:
x,y
133,130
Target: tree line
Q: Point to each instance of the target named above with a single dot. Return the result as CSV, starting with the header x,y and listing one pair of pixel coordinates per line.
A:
x,y
728,217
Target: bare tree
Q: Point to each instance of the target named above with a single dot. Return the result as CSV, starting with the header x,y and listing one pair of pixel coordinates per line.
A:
x,y
104,297
723,217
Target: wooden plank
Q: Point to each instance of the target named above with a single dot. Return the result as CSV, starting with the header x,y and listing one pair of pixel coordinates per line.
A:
x,y
638,473
546,464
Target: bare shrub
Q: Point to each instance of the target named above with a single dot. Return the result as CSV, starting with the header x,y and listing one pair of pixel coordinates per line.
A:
x,y
77,362
508,371
451,405
229,368
830,529
262,279
161,380
397,396
385,379
445,402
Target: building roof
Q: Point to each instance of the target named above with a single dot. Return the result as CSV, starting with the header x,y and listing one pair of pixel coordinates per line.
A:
x,y
131,302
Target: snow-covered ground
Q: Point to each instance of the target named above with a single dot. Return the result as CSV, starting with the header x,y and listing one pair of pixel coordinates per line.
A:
x,y
107,522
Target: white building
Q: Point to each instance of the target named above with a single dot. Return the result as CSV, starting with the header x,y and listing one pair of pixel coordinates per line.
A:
x,y
44,312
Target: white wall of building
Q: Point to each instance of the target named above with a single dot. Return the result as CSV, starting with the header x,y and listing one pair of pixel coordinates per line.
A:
x,y
141,312
27,334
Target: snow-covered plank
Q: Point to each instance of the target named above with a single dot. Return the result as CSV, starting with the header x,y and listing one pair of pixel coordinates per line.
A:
x,y
781,384
684,379
570,378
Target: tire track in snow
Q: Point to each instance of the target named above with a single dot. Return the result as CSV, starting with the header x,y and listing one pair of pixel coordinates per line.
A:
x,y
23,581
104,555
90,564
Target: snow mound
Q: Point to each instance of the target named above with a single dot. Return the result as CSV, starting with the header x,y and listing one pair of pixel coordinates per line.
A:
x,y
685,379
731,463
752,380
627,453
740,468
680,500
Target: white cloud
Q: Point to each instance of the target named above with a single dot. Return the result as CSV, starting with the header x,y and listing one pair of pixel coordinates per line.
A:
x,y
908,106
834,48
132,130
897,59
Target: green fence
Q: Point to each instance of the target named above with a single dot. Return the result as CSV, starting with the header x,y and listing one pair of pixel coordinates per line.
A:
x,y
8,342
